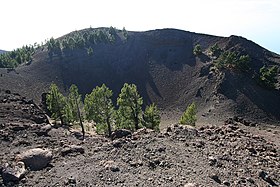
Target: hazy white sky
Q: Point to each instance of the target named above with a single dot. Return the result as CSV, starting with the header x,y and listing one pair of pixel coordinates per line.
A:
x,y
30,21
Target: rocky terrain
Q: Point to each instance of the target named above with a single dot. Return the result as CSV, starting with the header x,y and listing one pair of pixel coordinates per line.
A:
x,y
236,141
237,153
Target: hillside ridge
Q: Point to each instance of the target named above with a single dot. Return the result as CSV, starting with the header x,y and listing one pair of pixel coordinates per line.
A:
x,y
162,65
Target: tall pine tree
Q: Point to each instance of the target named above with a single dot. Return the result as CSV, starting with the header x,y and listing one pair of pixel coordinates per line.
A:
x,y
56,103
100,109
130,107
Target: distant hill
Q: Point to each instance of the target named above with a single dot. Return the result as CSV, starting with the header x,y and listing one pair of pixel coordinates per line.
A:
x,y
2,51
162,65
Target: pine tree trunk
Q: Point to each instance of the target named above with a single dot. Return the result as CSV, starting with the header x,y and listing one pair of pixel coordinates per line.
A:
x,y
61,119
109,127
136,122
80,118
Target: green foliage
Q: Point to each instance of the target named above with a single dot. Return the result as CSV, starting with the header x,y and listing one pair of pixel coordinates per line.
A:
x,y
230,60
151,117
189,116
99,108
68,113
268,77
81,40
74,102
112,31
75,105
16,57
125,33
90,51
197,50
243,63
66,109
215,50
53,47
56,103
130,107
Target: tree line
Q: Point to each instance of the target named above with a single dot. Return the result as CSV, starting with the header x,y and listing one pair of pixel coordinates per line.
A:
x,y
16,57
83,40
98,107
266,77
76,40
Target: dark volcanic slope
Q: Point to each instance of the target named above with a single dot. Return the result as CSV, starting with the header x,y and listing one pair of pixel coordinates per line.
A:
x,y
162,64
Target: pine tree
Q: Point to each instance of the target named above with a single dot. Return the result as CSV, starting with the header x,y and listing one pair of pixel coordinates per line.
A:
x,y
151,118
56,103
99,108
90,51
189,116
197,50
130,107
268,77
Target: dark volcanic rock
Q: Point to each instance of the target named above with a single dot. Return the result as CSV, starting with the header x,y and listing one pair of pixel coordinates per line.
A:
x,y
72,149
35,159
264,175
120,133
13,174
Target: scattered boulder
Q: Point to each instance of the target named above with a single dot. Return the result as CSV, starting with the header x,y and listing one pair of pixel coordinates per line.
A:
x,y
72,149
13,174
136,163
44,130
226,183
191,185
264,175
71,181
35,159
18,126
169,129
118,143
212,160
111,165
39,119
142,131
216,178
120,133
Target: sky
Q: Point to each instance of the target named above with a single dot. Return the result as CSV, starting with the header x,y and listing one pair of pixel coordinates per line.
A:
x,y
29,21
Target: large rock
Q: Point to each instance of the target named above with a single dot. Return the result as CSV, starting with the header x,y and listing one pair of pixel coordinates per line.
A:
x,y
120,133
36,159
72,149
44,130
13,173
191,185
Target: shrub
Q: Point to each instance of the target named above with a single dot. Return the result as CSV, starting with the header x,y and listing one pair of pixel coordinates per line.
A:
x,y
230,60
268,77
189,116
90,51
215,50
197,50
125,33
